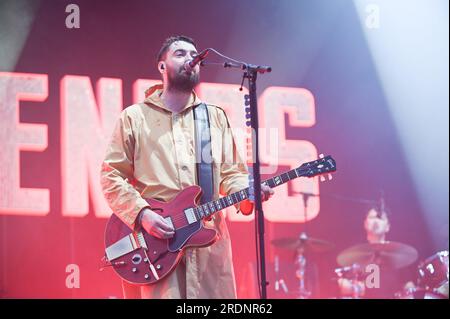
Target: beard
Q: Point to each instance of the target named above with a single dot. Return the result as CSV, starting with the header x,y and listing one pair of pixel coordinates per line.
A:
x,y
182,81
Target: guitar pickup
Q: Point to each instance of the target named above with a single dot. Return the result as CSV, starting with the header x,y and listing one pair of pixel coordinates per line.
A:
x,y
169,221
190,215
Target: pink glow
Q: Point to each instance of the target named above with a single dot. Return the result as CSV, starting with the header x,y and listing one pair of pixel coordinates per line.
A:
x,y
299,105
87,123
16,137
86,127
139,87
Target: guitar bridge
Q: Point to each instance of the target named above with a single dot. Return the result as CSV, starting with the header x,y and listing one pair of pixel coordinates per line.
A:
x,y
126,245
141,240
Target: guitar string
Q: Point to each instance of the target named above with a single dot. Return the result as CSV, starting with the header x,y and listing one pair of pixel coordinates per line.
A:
x,y
180,217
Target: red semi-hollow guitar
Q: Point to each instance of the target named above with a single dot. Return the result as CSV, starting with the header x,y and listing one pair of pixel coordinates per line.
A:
x,y
142,259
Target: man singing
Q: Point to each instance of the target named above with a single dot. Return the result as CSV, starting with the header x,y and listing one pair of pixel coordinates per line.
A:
x,y
152,155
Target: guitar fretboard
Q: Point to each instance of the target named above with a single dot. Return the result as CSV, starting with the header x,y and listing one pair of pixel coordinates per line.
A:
x,y
214,206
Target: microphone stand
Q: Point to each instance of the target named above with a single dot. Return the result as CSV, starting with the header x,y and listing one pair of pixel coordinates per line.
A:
x,y
250,73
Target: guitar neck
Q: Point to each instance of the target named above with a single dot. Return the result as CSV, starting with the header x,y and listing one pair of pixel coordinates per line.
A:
x,y
214,206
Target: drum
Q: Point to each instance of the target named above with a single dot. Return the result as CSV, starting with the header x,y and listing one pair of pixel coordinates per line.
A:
x,y
433,272
419,293
350,282
351,288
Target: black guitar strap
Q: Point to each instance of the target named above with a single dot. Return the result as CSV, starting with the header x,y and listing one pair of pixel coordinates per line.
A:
x,y
203,152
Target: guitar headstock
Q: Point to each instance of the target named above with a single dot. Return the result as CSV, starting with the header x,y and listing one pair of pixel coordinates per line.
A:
x,y
323,165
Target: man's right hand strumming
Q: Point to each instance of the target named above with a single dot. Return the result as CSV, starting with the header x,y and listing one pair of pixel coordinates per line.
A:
x,y
155,225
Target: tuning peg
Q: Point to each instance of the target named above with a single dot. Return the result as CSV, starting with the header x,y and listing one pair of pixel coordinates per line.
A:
x,y
322,178
330,177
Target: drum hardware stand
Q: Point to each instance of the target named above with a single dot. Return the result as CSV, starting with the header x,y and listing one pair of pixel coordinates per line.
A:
x,y
355,271
279,282
300,258
303,293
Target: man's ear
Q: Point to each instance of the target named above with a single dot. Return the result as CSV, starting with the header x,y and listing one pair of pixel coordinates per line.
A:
x,y
161,67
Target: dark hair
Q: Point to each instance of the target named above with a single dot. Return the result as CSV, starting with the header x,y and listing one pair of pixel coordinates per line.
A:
x,y
165,47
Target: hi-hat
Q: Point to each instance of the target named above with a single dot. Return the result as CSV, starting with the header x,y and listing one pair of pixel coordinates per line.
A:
x,y
388,254
303,242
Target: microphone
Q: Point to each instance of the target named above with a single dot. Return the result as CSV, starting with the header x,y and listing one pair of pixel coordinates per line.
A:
x,y
190,65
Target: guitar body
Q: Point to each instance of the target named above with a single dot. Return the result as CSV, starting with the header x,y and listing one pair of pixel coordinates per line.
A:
x,y
163,254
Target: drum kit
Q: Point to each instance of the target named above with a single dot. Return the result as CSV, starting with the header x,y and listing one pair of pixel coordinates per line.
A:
x,y
432,273
432,280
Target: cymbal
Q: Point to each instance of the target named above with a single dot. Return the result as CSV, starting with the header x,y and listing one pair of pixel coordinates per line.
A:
x,y
303,242
388,254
